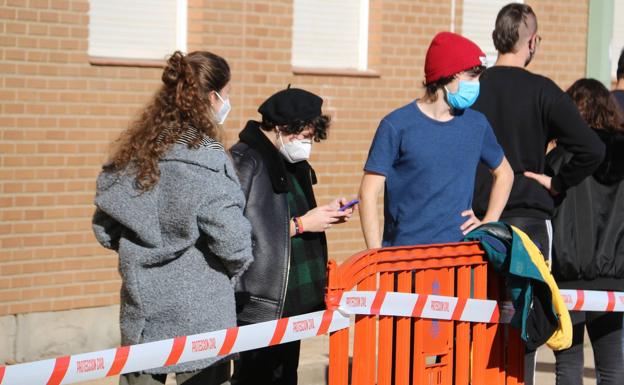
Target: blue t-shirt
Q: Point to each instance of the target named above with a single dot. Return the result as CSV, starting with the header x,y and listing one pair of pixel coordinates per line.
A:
x,y
430,171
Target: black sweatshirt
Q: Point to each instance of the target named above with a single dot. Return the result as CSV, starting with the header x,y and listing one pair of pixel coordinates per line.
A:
x,y
526,111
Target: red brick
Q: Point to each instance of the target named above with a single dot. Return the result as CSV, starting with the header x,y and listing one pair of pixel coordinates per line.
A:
x,y
41,306
41,4
49,16
15,28
5,283
17,308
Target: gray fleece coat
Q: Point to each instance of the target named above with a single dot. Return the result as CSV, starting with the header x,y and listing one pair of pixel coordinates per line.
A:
x,y
181,246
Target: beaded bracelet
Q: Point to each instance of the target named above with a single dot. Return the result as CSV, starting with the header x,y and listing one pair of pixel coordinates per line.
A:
x,y
298,225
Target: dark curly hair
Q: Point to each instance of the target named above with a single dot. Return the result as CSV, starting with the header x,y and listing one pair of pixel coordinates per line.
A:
x,y
596,105
181,104
320,124
431,89
506,30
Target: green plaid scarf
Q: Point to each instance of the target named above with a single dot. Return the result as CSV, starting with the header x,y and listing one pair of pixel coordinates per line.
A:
x,y
307,274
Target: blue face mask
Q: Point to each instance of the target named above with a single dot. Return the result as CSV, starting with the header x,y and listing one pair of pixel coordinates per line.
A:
x,y
467,93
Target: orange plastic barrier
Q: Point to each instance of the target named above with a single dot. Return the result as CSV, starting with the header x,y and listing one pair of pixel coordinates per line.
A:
x,y
405,350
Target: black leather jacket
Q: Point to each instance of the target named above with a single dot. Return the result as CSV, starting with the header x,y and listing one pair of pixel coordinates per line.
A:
x,y
262,288
588,225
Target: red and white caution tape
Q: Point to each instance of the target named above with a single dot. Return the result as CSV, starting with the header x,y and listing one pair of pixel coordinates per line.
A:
x,y
419,305
590,300
466,309
127,359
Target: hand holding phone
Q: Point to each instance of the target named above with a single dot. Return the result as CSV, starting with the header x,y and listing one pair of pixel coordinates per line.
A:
x,y
349,205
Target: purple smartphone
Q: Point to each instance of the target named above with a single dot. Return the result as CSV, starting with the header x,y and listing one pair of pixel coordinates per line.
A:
x,y
349,205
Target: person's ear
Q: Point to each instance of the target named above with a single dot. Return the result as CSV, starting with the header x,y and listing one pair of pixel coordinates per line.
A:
x,y
213,98
533,43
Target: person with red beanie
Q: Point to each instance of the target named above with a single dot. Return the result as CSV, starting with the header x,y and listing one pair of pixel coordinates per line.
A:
x,y
426,154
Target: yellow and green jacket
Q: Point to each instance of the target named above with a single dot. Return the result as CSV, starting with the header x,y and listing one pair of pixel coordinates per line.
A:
x,y
540,312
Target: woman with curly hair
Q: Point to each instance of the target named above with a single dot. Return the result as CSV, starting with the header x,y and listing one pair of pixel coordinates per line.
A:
x,y
169,202
589,239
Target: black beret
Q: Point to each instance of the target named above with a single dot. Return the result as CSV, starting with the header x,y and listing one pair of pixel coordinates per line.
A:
x,y
289,105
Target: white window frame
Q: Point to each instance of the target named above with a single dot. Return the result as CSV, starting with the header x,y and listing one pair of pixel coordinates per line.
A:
x,y
181,30
363,51
484,42
182,25
362,54
617,38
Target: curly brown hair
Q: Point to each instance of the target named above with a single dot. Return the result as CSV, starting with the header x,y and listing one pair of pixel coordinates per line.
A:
x,y
320,124
596,104
181,104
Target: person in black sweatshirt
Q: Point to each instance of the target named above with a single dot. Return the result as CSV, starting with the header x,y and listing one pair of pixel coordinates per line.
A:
x,y
588,245
526,111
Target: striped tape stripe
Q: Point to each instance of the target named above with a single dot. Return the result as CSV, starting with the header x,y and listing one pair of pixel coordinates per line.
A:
x,y
228,344
328,315
580,299
377,302
459,308
121,357
420,305
495,315
611,304
60,369
176,350
280,329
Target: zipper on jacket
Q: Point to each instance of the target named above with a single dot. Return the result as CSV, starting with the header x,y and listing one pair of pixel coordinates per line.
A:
x,y
283,301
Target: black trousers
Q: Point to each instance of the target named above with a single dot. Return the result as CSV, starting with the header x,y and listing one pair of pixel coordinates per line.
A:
x,y
217,374
540,232
273,365
605,334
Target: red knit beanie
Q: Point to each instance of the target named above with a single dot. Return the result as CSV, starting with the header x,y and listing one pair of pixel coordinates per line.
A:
x,y
450,53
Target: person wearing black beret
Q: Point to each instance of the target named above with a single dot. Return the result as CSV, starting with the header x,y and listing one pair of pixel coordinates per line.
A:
x,y
288,275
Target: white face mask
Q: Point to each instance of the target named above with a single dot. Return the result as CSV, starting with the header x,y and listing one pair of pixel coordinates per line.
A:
x,y
224,111
296,150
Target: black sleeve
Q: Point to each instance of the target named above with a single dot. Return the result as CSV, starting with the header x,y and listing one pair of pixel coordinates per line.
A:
x,y
106,229
245,170
572,133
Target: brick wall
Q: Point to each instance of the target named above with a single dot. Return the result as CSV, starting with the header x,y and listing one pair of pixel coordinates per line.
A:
x,y
563,27
58,115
